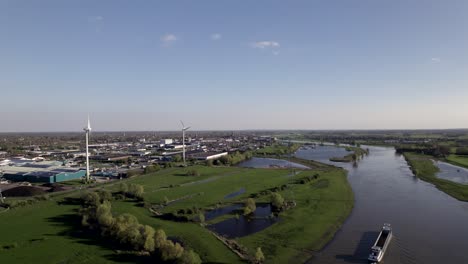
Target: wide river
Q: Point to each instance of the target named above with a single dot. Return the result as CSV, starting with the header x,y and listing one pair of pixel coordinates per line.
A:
x,y
429,226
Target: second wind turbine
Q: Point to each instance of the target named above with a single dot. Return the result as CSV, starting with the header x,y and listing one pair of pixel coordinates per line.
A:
x,y
184,128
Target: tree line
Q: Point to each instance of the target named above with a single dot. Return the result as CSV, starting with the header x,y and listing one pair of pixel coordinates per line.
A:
x,y
124,229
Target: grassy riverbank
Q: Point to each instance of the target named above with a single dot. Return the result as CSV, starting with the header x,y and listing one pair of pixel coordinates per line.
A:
x,y
423,167
321,209
31,232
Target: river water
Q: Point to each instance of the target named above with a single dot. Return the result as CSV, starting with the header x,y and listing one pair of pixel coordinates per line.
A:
x,y
429,226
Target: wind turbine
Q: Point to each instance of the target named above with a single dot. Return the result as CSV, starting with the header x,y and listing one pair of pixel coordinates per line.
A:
x,y
184,128
87,130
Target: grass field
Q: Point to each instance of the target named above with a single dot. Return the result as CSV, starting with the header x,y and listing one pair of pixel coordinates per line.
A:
x,y
423,167
41,233
458,160
29,234
321,209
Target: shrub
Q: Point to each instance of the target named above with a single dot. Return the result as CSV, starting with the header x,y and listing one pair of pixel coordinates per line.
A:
x,y
250,206
193,173
277,201
259,257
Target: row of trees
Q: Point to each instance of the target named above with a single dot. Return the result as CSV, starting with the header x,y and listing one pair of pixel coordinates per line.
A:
x,y
235,158
128,232
135,191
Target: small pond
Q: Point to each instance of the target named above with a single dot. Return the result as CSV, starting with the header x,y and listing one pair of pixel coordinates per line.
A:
x,y
452,172
244,226
270,163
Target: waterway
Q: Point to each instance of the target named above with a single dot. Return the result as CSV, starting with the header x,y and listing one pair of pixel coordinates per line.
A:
x,y
429,226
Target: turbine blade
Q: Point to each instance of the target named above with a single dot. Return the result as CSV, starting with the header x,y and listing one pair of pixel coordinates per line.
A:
x,y
183,126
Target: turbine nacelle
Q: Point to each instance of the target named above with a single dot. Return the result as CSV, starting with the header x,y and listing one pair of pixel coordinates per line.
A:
x,y
88,127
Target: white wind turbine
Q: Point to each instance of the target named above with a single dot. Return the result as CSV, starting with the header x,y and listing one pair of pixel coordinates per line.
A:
x,y
87,130
184,128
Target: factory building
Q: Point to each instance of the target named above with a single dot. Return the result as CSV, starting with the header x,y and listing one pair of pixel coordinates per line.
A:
x,y
45,172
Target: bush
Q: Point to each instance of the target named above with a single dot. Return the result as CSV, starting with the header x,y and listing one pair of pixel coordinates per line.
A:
x,y
189,257
250,206
277,201
259,257
193,173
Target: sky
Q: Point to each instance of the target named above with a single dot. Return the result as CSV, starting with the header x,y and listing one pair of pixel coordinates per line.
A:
x,y
232,65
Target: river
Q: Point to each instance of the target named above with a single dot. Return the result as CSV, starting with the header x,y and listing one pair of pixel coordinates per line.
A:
x,y
429,226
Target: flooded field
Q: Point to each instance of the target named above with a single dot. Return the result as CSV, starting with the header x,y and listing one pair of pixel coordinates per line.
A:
x,y
452,172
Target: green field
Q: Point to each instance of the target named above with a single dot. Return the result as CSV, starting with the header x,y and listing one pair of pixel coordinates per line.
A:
x,y
458,160
29,234
423,167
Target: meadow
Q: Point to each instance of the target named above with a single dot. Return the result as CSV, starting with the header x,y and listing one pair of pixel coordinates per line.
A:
x,y
32,232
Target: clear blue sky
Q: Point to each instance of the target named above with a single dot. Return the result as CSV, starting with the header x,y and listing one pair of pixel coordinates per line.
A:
x,y
143,65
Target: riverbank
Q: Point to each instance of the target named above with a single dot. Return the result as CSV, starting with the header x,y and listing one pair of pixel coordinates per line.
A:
x,y
423,167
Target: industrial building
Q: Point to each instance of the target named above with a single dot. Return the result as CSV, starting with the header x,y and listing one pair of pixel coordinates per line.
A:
x,y
40,172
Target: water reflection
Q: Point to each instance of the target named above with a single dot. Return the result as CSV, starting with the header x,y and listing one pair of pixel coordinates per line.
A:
x,y
244,226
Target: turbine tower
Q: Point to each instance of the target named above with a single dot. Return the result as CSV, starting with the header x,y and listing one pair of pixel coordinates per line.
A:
x,y
87,130
184,128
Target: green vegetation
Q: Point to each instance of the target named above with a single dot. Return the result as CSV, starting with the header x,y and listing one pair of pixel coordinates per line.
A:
x,y
250,206
356,154
277,150
170,200
234,158
319,213
458,160
423,167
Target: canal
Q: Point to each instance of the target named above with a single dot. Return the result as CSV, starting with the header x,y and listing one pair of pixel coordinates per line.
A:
x,y
429,226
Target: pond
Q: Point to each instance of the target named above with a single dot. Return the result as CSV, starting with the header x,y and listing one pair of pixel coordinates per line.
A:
x,y
270,163
451,172
244,226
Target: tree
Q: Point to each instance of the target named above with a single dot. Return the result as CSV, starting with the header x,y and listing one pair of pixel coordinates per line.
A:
x,y
104,215
147,238
277,201
259,257
91,199
189,257
159,238
177,158
123,188
250,206
171,250
201,217
136,191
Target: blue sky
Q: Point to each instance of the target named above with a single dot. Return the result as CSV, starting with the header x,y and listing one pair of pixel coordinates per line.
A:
x,y
143,65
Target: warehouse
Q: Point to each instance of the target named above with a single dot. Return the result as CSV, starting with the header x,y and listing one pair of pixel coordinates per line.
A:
x,y
40,172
